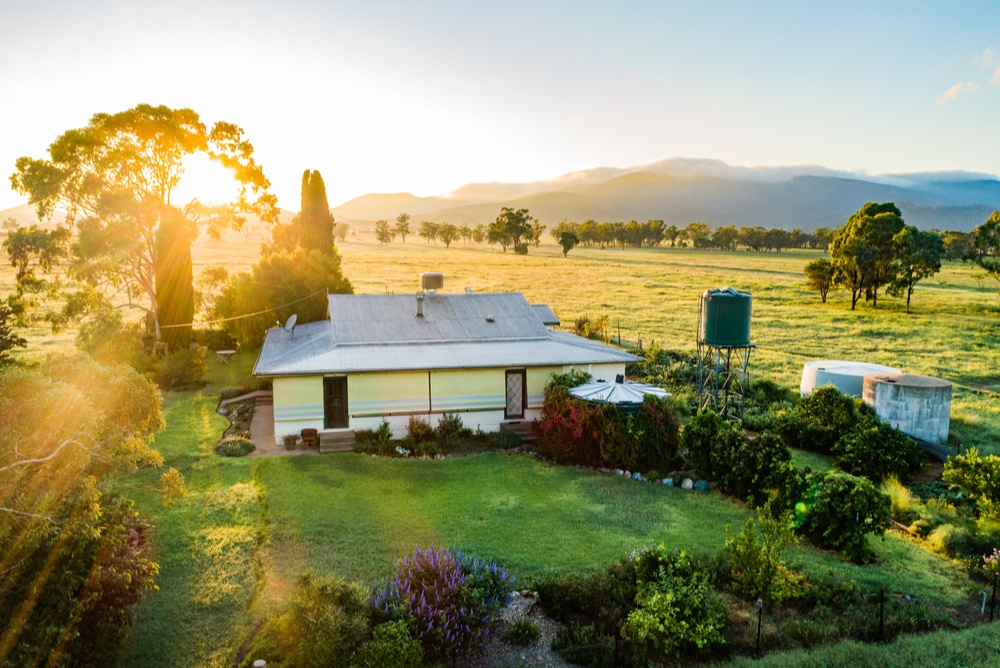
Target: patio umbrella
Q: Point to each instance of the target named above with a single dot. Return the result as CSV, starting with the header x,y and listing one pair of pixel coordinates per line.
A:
x,y
627,396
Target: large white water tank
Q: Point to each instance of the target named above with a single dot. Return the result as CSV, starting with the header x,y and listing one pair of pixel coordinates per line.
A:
x,y
848,377
918,406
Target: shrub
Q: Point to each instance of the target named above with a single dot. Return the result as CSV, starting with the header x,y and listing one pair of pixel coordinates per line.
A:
x,y
374,441
749,469
699,438
574,431
653,438
764,400
585,646
234,446
451,607
754,557
818,421
523,631
838,510
504,440
979,477
571,378
214,339
875,449
450,431
184,369
323,626
677,613
604,598
391,646
420,430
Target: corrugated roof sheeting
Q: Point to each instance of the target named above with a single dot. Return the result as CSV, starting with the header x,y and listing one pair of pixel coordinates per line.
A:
x,y
383,333
556,351
545,314
393,318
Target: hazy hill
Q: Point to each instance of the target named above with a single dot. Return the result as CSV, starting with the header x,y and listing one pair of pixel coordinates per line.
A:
x,y
681,191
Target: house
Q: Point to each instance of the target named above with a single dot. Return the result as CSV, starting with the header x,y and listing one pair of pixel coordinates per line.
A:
x,y
486,357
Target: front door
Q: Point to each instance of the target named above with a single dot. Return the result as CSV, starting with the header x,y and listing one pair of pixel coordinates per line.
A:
x,y
335,402
515,395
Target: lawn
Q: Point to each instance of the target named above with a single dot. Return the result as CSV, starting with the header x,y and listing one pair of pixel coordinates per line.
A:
x,y
230,550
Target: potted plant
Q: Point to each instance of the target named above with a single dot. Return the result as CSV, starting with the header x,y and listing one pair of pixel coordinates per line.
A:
x,y
290,441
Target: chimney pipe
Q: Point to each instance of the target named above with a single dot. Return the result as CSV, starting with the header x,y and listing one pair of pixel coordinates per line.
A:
x,y
420,305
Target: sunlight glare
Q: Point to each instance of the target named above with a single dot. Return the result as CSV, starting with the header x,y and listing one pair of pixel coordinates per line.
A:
x,y
205,180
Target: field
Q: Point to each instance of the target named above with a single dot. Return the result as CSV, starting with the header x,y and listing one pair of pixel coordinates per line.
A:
x,y
231,549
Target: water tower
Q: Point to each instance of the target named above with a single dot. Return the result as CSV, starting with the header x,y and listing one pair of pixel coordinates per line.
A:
x,y
724,351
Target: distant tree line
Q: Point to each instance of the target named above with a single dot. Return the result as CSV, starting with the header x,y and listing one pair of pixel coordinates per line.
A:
x,y
512,229
653,233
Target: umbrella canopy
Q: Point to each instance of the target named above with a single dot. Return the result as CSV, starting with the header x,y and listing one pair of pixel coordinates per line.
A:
x,y
626,395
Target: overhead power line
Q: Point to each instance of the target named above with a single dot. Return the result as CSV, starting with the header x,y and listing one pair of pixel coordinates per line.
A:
x,y
248,315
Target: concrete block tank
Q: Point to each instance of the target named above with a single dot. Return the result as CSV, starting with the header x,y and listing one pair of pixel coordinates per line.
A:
x,y
918,406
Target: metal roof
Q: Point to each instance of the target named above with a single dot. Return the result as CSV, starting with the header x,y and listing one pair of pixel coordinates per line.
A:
x,y
545,314
383,333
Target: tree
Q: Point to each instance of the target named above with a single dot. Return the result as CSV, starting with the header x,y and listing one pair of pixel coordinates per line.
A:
x,y
697,234
447,233
479,233
278,286
465,232
175,279
383,232
8,339
985,246
510,228
956,244
314,220
863,251
725,238
819,276
568,241
429,231
918,256
536,233
403,225
73,552
114,177
340,231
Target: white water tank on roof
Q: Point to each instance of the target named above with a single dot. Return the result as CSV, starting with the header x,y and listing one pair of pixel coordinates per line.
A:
x,y
846,376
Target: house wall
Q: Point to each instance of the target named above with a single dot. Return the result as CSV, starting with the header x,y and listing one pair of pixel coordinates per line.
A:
x,y
478,396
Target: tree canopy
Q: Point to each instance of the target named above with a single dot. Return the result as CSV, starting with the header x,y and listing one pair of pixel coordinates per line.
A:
x,y
72,551
116,178
863,251
984,246
918,256
511,228
315,221
278,286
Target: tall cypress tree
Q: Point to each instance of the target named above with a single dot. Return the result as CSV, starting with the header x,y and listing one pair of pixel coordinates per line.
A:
x,y
174,278
315,221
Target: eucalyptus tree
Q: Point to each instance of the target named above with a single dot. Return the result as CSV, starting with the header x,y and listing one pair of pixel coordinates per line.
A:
x,y
116,179
864,253
403,225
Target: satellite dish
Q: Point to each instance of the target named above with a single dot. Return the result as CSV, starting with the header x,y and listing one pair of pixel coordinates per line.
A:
x,y
290,324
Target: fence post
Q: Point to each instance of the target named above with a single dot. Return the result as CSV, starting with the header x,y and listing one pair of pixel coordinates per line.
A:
x,y
760,614
881,613
993,601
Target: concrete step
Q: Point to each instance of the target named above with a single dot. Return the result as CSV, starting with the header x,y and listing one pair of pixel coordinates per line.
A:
x,y
336,441
522,428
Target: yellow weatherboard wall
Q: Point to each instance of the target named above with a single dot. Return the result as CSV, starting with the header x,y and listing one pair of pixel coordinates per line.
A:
x,y
537,378
298,398
384,393
468,389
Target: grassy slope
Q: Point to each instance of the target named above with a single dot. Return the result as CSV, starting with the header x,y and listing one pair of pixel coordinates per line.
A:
x,y
971,648
230,550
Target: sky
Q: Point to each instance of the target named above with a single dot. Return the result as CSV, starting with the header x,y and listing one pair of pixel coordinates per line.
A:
x,y
426,97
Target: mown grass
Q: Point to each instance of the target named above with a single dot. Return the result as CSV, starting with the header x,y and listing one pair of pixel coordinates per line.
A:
x,y
230,550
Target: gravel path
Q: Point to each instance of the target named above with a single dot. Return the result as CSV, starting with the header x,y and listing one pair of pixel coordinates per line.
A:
x,y
505,654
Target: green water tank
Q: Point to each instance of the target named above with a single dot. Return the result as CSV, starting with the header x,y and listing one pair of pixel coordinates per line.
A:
x,y
725,317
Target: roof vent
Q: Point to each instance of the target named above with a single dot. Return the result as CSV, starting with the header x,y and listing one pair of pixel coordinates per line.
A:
x,y
431,281
468,289
490,318
420,305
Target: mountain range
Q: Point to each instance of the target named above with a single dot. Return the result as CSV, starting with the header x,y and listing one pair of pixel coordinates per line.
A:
x,y
680,191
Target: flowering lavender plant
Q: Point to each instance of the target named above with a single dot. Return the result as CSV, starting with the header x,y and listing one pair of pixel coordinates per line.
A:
x,y
449,598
